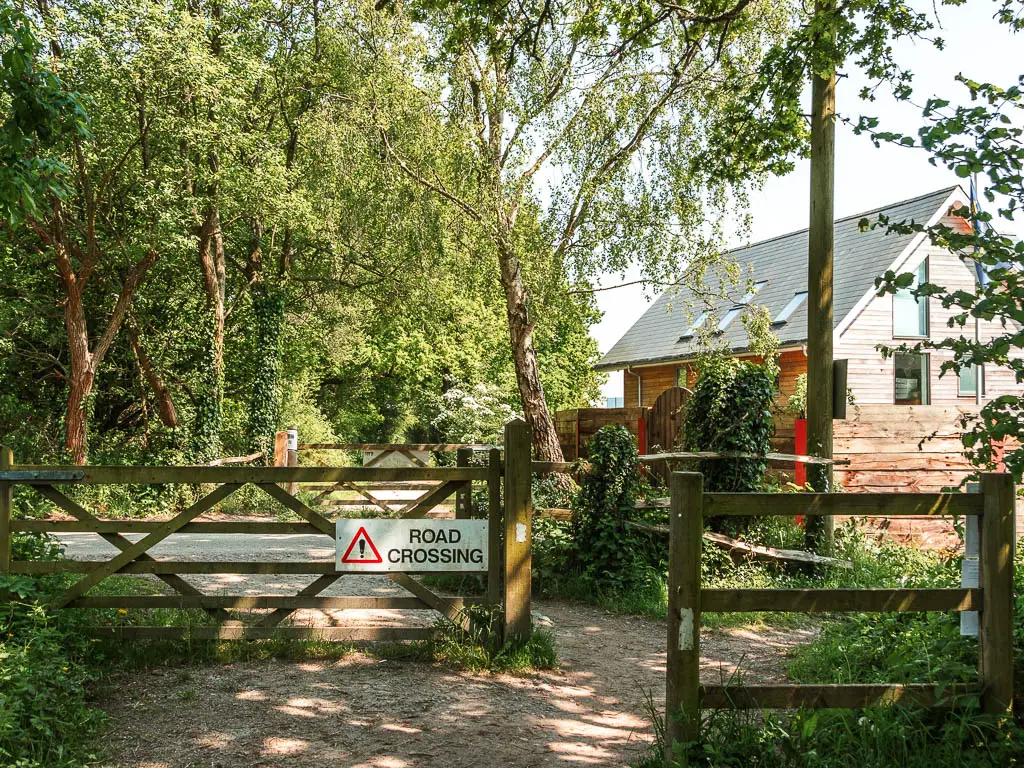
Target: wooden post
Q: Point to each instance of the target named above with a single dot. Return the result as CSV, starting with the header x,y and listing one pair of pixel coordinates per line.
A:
x,y
6,501
464,496
293,455
495,553
281,449
819,298
518,513
682,679
995,637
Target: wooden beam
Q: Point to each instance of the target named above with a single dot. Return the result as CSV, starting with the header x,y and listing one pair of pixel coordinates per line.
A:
x,y
495,552
518,525
840,600
309,591
148,526
86,518
438,447
262,602
682,677
98,475
277,568
426,503
442,605
995,639
787,458
819,504
464,496
98,574
832,696
338,634
315,519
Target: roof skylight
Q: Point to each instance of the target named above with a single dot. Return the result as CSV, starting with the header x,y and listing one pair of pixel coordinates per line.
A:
x,y
788,310
689,333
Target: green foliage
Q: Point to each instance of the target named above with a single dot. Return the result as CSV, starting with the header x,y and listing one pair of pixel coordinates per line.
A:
x,y
45,721
983,137
608,552
36,113
471,643
730,410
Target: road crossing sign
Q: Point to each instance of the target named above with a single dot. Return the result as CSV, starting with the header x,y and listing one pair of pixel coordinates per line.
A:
x,y
411,546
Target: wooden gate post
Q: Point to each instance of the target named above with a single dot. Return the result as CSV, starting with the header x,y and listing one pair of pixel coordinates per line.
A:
x,y
293,455
518,511
6,501
281,449
682,679
495,554
995,632
464,496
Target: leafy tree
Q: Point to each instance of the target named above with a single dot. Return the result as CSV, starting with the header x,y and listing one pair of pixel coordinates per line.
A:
x,y
36,112
591,114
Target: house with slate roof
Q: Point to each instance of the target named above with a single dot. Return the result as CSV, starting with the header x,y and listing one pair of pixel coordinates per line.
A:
x,y
658,351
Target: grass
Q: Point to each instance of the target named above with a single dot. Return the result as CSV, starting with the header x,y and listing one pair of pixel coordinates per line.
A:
x,y
866,648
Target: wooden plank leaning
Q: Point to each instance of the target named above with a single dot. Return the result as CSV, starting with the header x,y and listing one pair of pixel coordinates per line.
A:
x,y
116,563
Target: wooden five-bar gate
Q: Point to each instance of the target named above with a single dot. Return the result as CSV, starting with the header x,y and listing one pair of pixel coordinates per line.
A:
x,y
507,577
685,695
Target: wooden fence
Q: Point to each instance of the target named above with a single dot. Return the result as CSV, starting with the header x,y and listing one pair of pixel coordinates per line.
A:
x,y
508,575
684,693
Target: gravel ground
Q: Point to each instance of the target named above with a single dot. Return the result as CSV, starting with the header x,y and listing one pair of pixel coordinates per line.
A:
x,y
367,713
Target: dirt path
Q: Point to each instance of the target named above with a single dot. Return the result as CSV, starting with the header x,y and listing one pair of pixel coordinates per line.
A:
x,y
363,712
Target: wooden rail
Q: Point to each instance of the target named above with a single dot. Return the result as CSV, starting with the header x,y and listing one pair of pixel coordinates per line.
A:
x,y
684,694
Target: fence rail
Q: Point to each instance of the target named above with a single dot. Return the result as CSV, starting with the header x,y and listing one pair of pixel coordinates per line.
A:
x,y
689,505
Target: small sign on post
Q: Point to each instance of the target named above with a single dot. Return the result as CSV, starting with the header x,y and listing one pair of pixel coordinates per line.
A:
x,y
411,546
970,573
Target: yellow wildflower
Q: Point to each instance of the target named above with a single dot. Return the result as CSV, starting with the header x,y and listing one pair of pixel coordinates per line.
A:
x,y
122,611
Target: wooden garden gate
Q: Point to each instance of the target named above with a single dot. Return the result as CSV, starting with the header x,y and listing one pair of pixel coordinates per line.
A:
x,y
230,616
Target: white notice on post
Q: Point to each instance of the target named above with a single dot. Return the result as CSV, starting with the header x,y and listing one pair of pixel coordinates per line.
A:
x,y
411,546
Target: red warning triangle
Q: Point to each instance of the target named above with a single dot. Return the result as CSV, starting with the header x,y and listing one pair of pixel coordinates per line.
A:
x,y
361,555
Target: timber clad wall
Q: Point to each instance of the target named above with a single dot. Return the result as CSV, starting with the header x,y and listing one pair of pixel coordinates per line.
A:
x,y
575,428
656,379
872,378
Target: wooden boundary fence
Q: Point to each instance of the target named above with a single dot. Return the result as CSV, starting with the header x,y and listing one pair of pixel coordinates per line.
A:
x,y
684,693
508,575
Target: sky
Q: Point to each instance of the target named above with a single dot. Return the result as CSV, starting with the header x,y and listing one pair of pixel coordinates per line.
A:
x,y
865,177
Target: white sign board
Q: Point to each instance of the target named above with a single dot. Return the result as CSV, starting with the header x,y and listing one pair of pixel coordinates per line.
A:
x,y
970,575
411,546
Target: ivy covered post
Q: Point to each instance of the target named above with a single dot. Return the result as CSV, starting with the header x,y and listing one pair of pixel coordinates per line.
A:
x,y
268,305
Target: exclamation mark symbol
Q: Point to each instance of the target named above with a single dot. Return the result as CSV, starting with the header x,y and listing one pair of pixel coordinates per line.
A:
x,y
362,549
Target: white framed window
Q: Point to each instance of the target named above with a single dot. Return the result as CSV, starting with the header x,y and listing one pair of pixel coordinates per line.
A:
x,y
911,379
695,326
728,317
971,376
787,311
910,314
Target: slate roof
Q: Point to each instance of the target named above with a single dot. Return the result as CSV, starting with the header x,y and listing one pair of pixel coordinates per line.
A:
x,y
860,257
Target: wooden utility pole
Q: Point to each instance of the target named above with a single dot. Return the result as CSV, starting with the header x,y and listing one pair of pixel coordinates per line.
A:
x,y
819,287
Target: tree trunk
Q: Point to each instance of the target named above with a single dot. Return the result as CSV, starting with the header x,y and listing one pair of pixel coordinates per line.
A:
x,y
524,356
164,401
209,406
81,374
